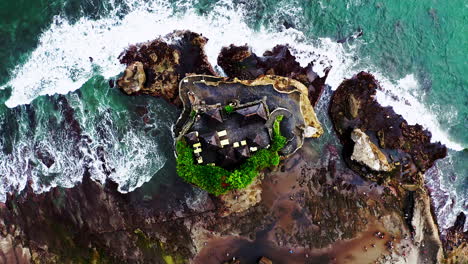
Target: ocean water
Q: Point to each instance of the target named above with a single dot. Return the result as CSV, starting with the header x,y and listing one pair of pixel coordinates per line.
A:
x,y
59,118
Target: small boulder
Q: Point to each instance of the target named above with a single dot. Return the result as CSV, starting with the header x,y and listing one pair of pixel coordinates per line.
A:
x,y
368,153
133,78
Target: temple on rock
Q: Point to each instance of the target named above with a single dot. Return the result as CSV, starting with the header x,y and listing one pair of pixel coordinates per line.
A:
x,y
227,135
226,122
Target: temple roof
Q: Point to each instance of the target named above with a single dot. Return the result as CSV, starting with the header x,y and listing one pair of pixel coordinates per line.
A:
x,y
211,140
214,114
257,110
242,152
227,157
259,140
192,137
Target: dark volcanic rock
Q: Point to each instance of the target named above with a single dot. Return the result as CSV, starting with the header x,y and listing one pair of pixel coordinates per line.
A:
x,y
299,220
407,148
92,223
455,236
165,64
240,62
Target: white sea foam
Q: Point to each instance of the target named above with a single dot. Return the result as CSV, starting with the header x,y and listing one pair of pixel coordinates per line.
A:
x,y
405,96
22,165
61,61
447,202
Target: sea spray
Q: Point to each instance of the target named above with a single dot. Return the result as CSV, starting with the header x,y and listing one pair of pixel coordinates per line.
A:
x,y
69,54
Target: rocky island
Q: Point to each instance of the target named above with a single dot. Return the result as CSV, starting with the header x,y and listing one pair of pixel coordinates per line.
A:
x,y
245,126
361,200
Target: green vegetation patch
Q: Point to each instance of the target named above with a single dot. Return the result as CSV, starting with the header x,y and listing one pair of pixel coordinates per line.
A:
x,y
229,109
217,180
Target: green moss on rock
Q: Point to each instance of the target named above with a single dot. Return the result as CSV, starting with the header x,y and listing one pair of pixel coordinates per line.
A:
x,y
217,180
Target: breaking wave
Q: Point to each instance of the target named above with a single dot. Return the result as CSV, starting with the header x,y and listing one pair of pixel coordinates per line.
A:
x,y
69,54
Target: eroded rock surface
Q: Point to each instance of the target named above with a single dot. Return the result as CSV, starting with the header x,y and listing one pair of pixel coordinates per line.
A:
x,y
164,64
407,148
368,153
134,78
240,62
456,241
298,220
238,201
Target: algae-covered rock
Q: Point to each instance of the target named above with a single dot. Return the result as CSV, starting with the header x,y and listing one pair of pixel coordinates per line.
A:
x,y
408,148
133,79
164,62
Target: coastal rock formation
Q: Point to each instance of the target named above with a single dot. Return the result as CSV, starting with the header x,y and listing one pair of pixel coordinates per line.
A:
x,y
456,241
164,64
311,209
240,62
285,96
298,220
407,148
133,79
367,153
238,201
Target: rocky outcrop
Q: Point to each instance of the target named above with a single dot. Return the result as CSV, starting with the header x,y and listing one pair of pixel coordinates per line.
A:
x,y
381,146
283,96
313,209
240,62
164,64
238,201
407,148
298,220
455,241
367,153
133,79
426,233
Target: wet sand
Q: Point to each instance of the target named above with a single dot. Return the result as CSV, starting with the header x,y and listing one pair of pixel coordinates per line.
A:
x,y
286,194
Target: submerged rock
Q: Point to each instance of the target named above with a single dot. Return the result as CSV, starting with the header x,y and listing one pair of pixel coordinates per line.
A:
x,y
164,64
240,62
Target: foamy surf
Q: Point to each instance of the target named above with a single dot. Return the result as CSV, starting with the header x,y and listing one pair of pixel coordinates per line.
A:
x,y
70,54
405,97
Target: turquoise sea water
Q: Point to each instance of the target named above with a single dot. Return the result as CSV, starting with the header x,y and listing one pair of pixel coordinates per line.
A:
x,y
417,49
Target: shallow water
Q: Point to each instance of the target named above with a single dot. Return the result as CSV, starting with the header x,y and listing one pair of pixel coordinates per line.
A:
x,y
416,49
